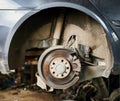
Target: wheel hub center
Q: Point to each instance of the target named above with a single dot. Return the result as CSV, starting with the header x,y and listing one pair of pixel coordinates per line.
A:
x,y
59,67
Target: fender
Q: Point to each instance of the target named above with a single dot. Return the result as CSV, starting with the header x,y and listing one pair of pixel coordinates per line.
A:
x,y
23,12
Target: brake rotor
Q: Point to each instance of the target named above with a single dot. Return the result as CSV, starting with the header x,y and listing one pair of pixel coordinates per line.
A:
x,y
56,68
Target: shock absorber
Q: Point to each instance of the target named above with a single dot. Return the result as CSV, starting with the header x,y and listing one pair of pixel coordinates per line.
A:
x,y
58,29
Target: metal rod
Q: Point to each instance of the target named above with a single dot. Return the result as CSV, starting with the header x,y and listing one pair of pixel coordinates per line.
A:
x,y
58,29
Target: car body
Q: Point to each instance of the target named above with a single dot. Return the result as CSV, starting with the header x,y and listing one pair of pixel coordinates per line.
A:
x,y
21,15
13,13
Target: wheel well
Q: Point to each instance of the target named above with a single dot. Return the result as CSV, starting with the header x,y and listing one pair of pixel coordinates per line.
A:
x,y
38,27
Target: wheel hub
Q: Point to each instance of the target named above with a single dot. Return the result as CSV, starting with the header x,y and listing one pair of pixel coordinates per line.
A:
x,y
60,67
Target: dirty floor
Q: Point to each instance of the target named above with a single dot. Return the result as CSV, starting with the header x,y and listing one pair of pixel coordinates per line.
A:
x,y
25,95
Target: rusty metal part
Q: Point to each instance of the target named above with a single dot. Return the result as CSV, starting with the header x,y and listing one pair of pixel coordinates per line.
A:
x,y
61,78
80,92
86,91
115,95
60,67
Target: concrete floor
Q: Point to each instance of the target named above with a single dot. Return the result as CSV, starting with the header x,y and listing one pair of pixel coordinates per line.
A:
x,y
25,95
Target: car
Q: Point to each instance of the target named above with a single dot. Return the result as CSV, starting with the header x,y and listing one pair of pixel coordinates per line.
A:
x,y
78,43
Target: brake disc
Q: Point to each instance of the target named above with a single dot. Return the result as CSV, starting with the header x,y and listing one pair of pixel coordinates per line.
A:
x,y
58,68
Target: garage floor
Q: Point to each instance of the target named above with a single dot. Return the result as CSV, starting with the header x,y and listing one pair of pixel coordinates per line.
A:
x,y
25,95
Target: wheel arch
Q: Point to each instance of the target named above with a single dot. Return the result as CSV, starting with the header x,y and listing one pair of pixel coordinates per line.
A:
x,y
47,6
